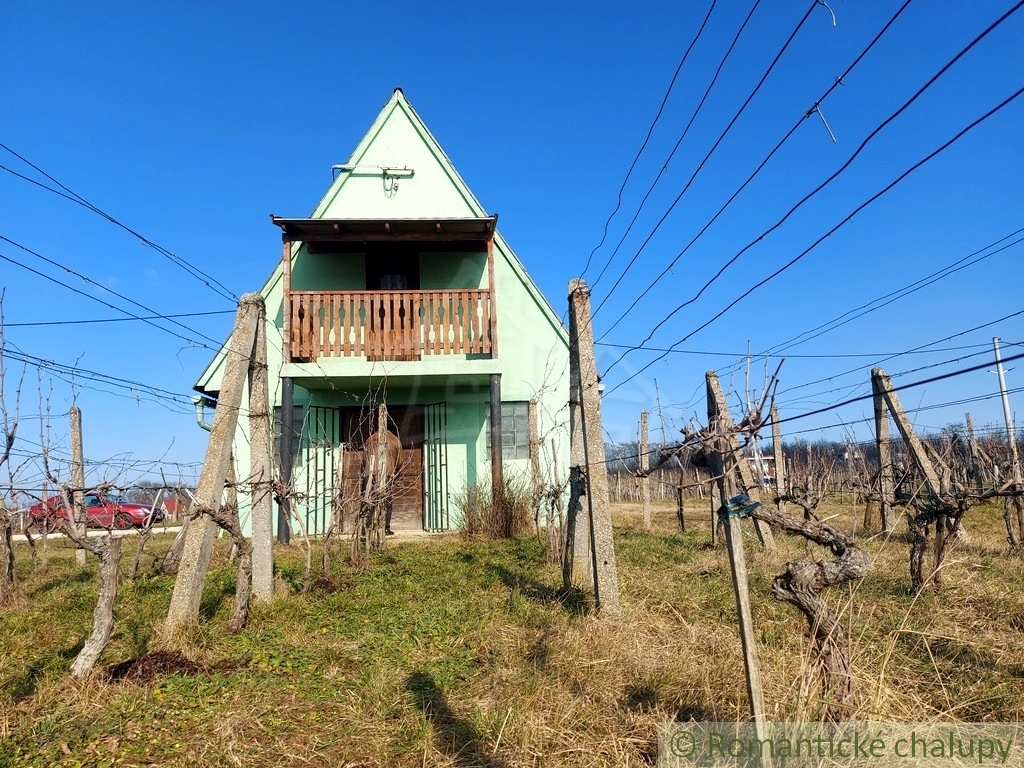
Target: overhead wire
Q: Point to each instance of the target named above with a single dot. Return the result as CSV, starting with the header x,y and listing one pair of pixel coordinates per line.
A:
x,y
710,152
778,145
914,350
893,296
747,292
679,141
878,129
43,323
647,138
102,287
209,281
89,375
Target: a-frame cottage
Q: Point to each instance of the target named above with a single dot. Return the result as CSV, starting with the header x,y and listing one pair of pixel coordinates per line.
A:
x,y
399,289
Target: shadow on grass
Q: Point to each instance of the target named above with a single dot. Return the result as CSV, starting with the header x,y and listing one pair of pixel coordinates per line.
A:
x,y
454,736
573,600
79,577
213,598
26,685
647,697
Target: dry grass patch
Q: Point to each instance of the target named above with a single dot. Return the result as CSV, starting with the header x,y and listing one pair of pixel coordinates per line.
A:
x,y
466,652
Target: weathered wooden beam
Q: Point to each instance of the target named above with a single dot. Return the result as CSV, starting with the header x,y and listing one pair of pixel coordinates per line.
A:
x,y
286,299
492,317
260,472
751,487
584,383
645,482
497,470
195,556
906,430
885,472
781,487
722,458
78,480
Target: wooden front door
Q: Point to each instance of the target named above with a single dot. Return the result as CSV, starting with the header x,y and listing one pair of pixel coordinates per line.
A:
x,y
407,423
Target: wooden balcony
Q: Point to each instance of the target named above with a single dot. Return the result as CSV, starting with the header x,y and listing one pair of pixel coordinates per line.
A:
x,y
389,325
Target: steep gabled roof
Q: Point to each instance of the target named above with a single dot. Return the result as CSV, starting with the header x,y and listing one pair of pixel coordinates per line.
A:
x,y
417,181
385,146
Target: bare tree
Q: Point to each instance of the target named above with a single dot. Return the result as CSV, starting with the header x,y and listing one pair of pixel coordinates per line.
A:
x,y
8,432
381,463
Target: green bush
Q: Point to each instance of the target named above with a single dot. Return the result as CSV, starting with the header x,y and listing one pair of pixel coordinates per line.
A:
x,y
508,518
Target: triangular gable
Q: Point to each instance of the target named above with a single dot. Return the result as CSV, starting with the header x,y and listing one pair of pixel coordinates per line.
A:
x,y
398,139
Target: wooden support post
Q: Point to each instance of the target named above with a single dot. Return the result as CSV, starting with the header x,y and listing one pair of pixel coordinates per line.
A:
x,y
722,459
286,298
576,559
260,436
497,474
715,495
383,482
681,502
906,429
78,479
284,506
645,482
492,296
880,382
751,486
781,485
536,479
585,422
885,472
973,465
195,556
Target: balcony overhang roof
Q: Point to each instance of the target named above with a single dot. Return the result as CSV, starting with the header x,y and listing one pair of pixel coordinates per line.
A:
x,y
479,230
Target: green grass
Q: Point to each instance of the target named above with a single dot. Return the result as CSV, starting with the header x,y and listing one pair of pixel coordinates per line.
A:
x,y
456,651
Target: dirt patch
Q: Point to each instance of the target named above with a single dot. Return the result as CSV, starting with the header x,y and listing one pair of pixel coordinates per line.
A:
x,y
148,666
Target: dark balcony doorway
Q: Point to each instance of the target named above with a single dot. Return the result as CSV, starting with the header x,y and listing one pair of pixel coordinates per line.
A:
x,y
391,269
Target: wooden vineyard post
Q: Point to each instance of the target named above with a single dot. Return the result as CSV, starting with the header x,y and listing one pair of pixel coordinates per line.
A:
x,y
681,502
880,379
382,481
973,465
779,458
262,485
885,474
751,486
78,479
195,556
645,482
589,472
881,383
722,461
715,495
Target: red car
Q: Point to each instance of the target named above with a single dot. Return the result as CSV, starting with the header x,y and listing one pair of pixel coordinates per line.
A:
x,y
101,510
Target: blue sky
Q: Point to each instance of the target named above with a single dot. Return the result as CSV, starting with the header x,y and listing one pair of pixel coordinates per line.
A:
x,y
190,123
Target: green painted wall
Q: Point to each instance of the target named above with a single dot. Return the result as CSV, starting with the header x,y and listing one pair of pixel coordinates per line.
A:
x,y
328,271
439,271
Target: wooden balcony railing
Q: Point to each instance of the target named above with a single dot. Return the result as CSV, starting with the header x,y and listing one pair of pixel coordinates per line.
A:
x,y
390,325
